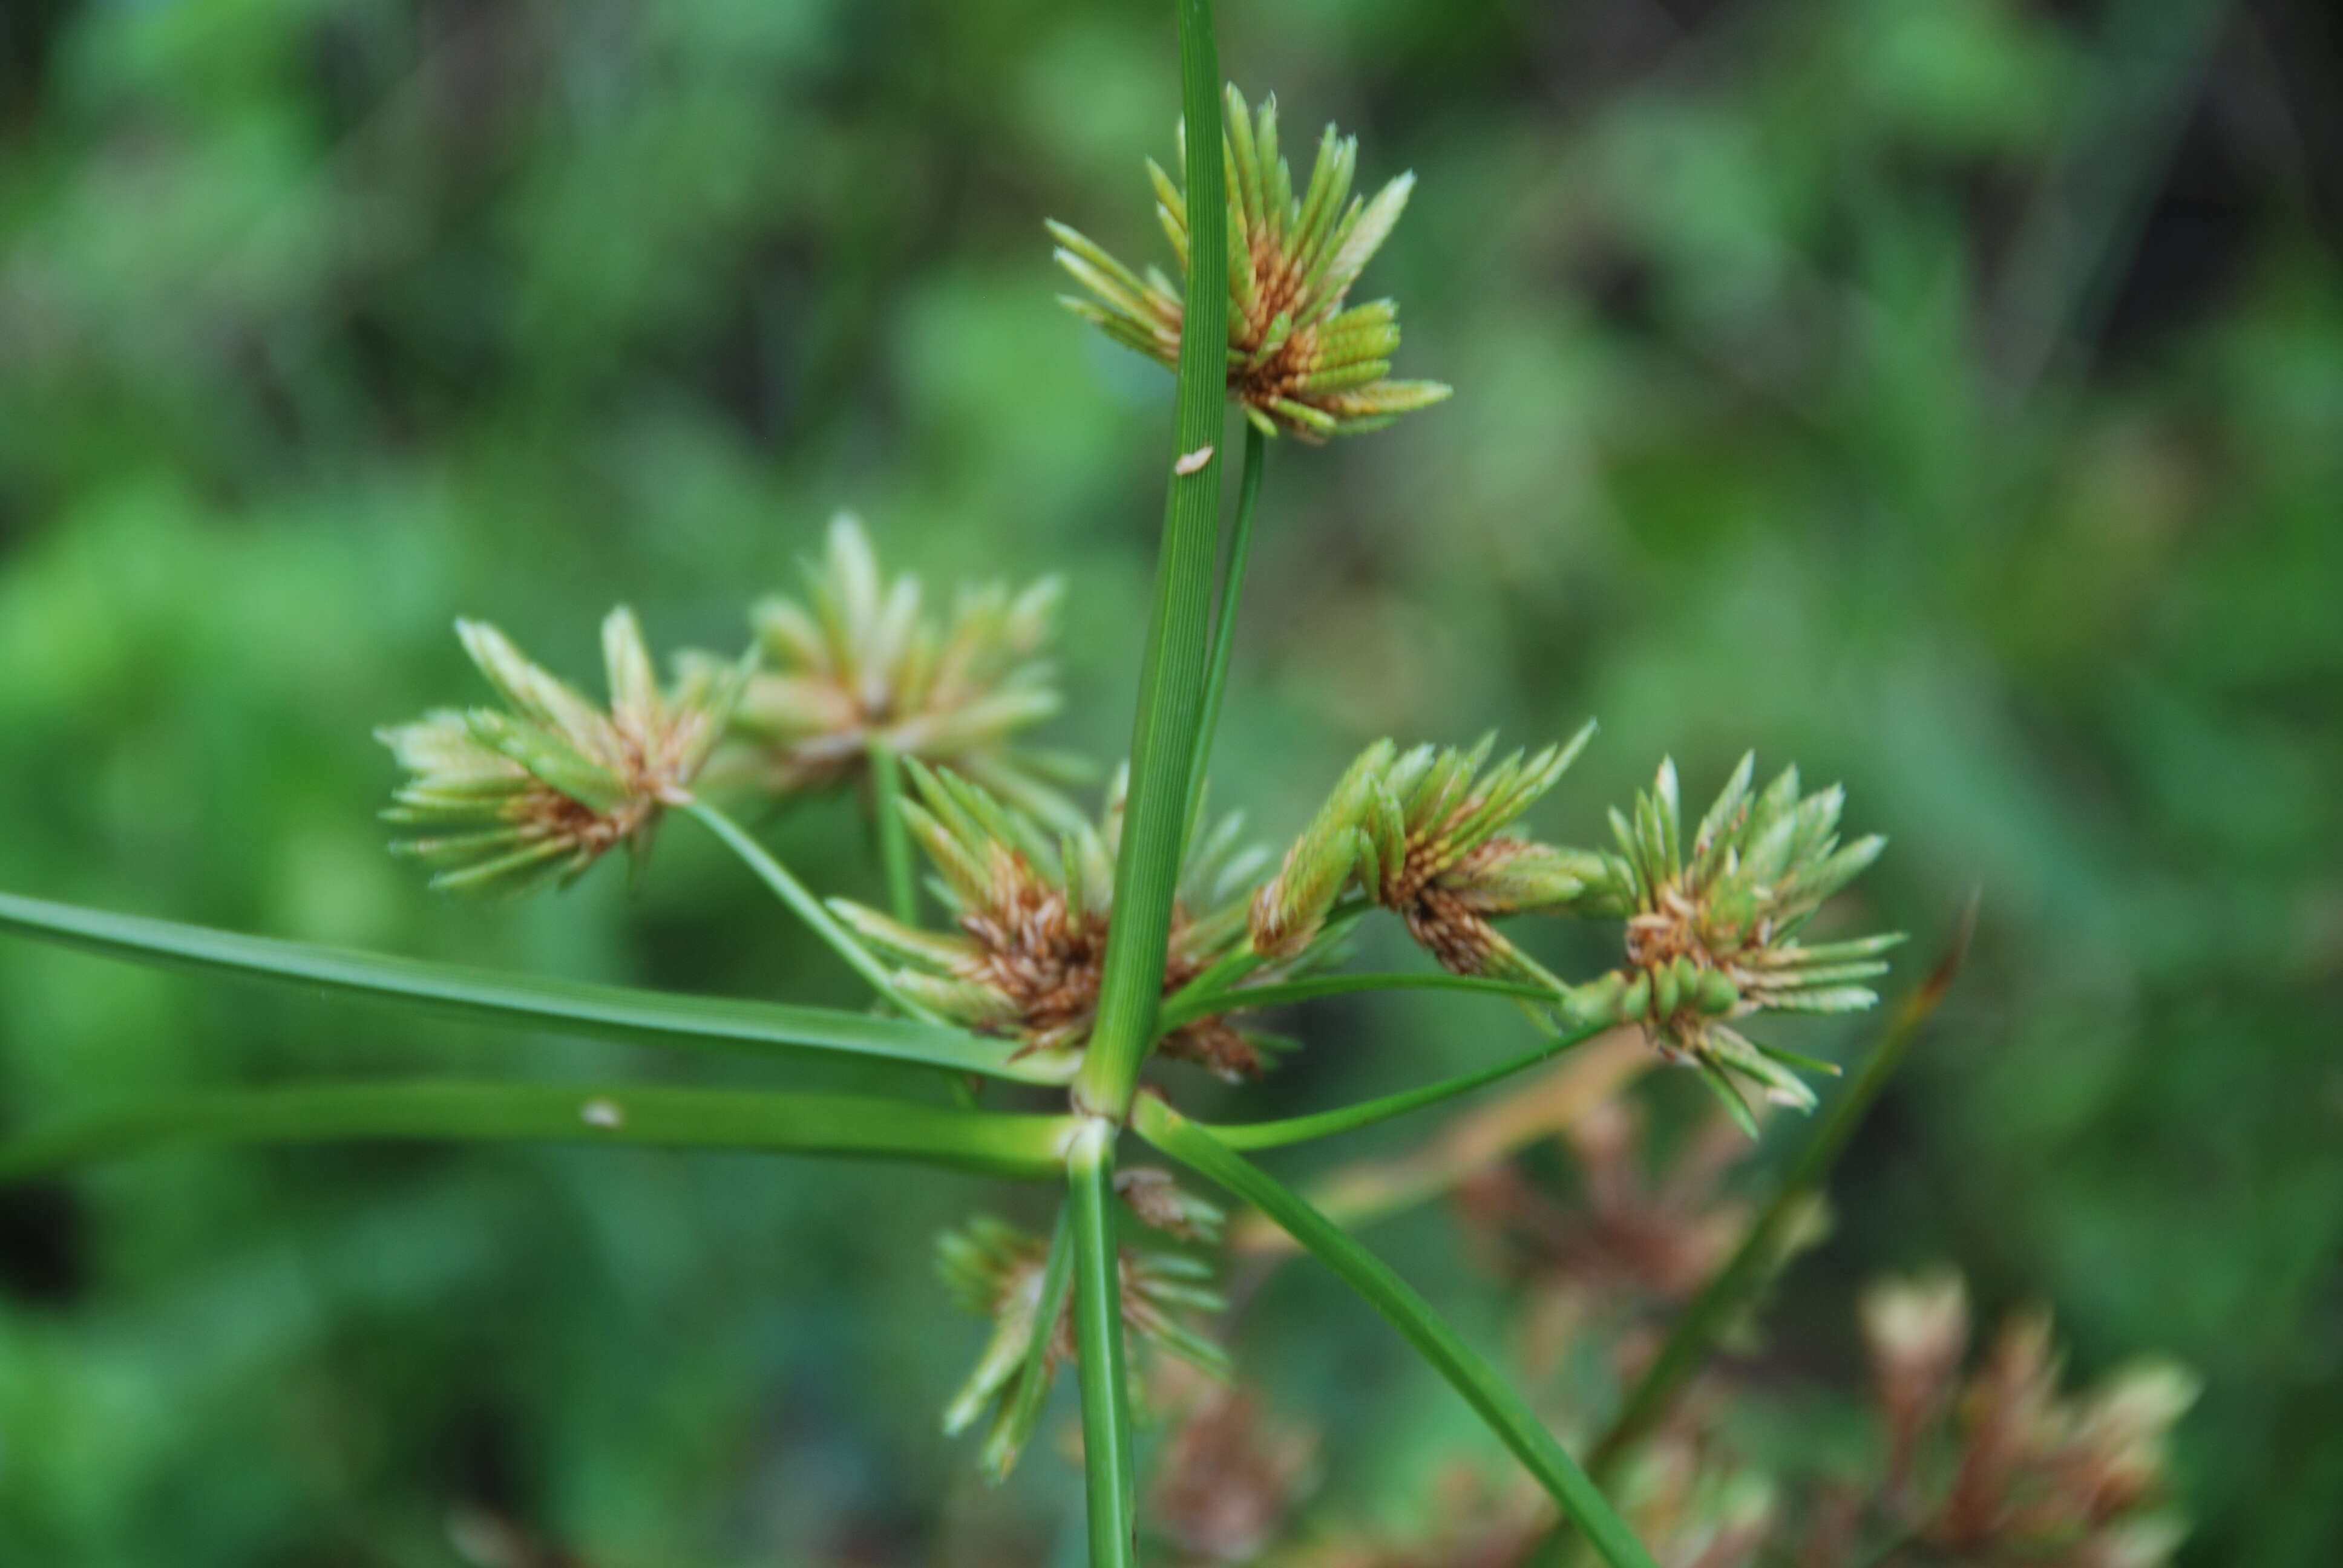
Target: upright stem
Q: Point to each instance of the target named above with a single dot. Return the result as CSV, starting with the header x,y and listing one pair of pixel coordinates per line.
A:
x,y
1108,1465
1172,681
1224,620
894,833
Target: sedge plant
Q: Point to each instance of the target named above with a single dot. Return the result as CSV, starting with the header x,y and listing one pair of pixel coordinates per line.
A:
x,y
1061,953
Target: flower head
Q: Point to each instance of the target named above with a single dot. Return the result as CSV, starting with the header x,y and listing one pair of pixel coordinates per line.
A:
x,y
2023,1472
1032,916
1713,923
1424,833
1156,1199
859,663
1299,359
1289,911
1636,1234
996,1271
1917,1332
505,797
1446,863
1230,1474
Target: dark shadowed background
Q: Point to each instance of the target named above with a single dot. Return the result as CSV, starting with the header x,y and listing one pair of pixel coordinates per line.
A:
x,y
1947,394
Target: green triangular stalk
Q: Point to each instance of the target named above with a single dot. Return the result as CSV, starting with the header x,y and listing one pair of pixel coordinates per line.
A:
x,y
1173,680
1108,1469
1182,1009
1366,1113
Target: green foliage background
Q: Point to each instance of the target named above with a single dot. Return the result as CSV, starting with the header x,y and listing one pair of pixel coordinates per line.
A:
x,y
1945,394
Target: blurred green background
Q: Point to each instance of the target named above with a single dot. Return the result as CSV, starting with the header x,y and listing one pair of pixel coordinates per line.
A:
x,y
1947,394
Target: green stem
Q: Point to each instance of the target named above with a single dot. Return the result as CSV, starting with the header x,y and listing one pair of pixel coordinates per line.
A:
x,y
1201,996
1366,1113
1172,680
1224,620
808,907
1714,1308
1185,1009
1108,1464
894,834
832,1124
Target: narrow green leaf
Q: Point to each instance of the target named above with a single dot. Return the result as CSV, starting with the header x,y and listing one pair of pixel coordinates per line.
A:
x,y
1108,1464
1185,1007
1172,676
569,1007
1367,1112
1506,1411
854,1126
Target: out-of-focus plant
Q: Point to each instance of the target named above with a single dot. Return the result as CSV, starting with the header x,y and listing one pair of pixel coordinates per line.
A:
x,y
2002,1468
1062,957
859,671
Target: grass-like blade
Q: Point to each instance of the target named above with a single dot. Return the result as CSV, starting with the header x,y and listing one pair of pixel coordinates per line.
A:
x,y
568,1007
1109,1467
1367,1112
1506,1411
853,1126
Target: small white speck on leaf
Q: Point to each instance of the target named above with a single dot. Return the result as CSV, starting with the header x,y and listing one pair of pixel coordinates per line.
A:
x,y
602,1113
1193,462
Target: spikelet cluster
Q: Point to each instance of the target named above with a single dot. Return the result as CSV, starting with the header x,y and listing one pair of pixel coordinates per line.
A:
x,y
997,1271
861,660
1445,864
506,798
1424,833
1230,1474
2007,1468
1031,916
1640,1235
1713,924
1300,358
